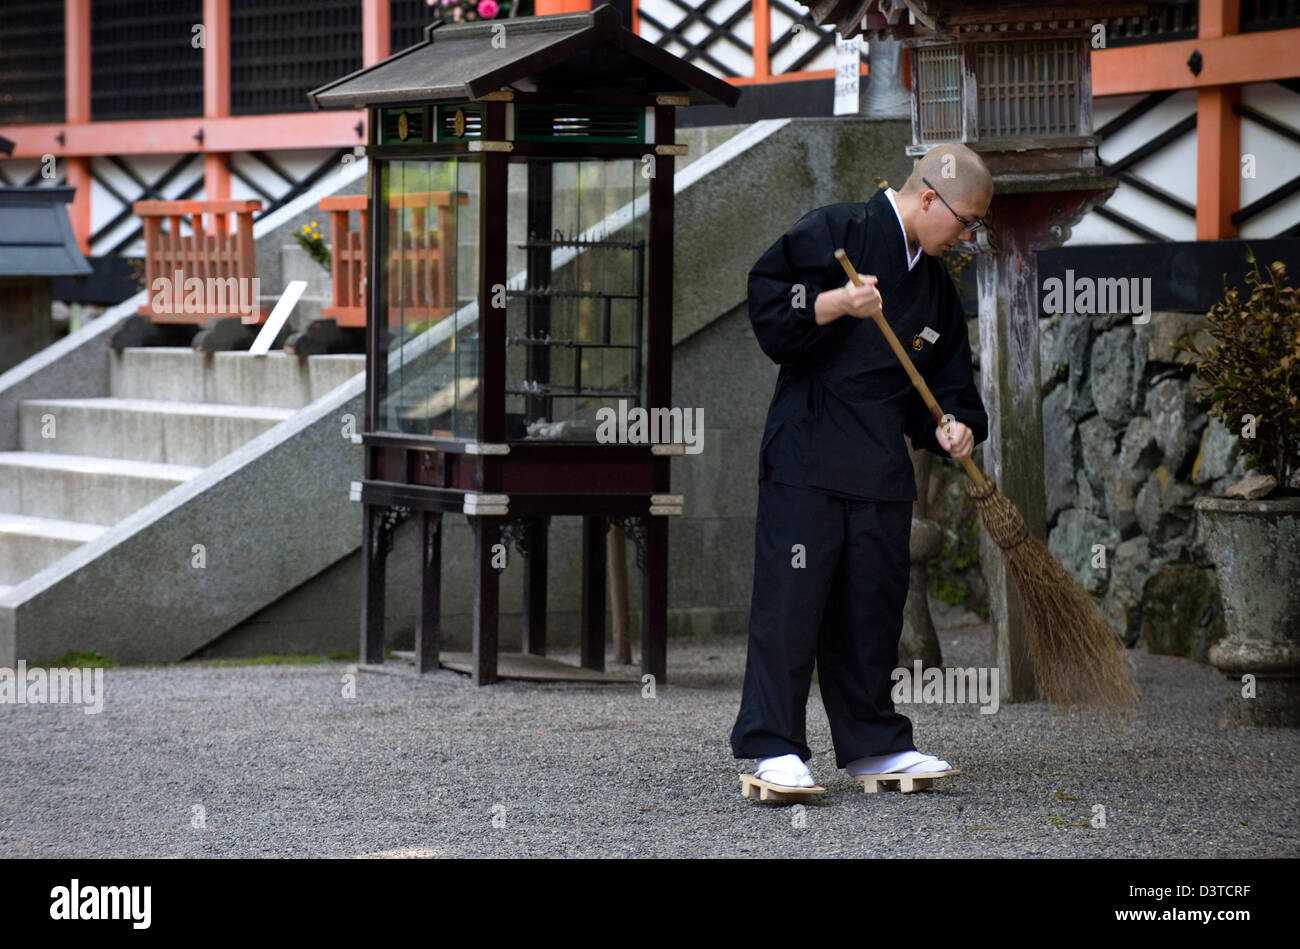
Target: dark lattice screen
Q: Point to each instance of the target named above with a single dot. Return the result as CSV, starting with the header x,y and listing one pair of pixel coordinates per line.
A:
x,y
1173,21
1269,15
31,61
282,49
407,20
143,61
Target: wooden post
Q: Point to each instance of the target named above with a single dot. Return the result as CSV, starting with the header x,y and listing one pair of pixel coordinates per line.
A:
x,y
593,592
428,618
1012,393
216,95
375,31
618,593
534,632
654,601
487,588
1218,135
76,92
1013,453
762,40
374,559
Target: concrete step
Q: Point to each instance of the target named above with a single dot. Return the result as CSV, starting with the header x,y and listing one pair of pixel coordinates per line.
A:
x,y
173,433
82,487
179,374
30,544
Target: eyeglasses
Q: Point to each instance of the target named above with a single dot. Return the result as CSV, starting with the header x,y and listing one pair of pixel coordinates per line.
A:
x,y
965,224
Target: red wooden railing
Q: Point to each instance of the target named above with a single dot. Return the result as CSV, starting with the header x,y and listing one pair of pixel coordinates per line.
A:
x,y
421,258
217,253
348,259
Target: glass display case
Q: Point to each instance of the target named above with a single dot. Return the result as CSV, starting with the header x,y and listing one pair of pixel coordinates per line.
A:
x,y
519,286
575,295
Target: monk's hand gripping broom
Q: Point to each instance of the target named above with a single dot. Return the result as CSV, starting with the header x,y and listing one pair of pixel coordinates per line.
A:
x,y
1078,661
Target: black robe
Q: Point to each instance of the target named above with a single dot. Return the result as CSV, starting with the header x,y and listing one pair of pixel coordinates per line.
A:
x,y
843,401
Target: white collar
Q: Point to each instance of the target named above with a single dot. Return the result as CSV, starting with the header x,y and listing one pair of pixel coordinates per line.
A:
x,y
911,259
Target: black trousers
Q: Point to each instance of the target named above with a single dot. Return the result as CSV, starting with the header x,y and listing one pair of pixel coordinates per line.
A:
x,y
842,610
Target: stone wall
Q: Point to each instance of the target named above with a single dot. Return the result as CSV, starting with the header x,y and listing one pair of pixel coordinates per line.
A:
x,y
1127,448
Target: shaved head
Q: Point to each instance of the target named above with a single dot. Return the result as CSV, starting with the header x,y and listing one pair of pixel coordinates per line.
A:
x,y
958,170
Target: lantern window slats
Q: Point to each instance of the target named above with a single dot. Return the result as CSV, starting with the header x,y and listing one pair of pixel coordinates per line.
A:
x,y
940,93
1027,88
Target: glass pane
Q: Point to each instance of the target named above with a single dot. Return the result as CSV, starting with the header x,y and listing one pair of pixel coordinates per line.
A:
x,y
430,252
576,301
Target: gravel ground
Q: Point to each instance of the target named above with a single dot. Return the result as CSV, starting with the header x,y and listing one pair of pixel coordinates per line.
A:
x,y
282,765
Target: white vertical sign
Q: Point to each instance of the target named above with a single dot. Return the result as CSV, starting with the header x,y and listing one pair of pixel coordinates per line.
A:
x,y
848,58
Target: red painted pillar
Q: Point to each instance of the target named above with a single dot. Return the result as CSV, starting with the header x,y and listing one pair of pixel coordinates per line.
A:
x,y
375,31
1218,135
547,7
76,91
216,93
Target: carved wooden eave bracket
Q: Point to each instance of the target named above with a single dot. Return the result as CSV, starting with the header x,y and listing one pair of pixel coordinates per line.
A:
x,y
1049,210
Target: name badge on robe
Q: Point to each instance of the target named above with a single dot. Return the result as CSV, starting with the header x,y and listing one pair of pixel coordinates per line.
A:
x,y
926,334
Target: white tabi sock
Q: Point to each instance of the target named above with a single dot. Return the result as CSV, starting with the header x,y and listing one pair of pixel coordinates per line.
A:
x,y
897,763
786,769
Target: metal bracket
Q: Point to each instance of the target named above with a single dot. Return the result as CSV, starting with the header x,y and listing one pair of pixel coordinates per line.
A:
x,y
486,448
484,505
666,504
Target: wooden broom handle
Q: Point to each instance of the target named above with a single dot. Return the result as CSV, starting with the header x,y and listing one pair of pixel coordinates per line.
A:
x,y
975,474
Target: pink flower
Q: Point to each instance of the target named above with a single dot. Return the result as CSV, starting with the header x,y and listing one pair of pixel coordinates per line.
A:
x,y
487,9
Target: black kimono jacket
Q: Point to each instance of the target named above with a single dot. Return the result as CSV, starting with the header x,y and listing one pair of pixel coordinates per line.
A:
x,y
843,401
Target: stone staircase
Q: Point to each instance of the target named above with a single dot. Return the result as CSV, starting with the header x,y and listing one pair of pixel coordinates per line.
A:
x,y
83,465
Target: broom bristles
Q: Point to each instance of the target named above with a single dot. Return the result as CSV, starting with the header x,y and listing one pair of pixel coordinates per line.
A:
x,y
1078,661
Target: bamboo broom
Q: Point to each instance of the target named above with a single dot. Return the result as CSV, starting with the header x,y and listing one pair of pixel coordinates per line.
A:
x,y
1078,661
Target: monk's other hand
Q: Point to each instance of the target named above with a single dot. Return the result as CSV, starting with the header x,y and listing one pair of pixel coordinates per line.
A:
x,y
960,444
862,301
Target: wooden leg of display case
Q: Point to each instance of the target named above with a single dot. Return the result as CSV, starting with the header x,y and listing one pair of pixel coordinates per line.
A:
x,y
487,589
654,601
593,592
374,556
534,636
428,617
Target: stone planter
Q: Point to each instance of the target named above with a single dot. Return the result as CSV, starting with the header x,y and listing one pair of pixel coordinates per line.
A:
x,y
1255,546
